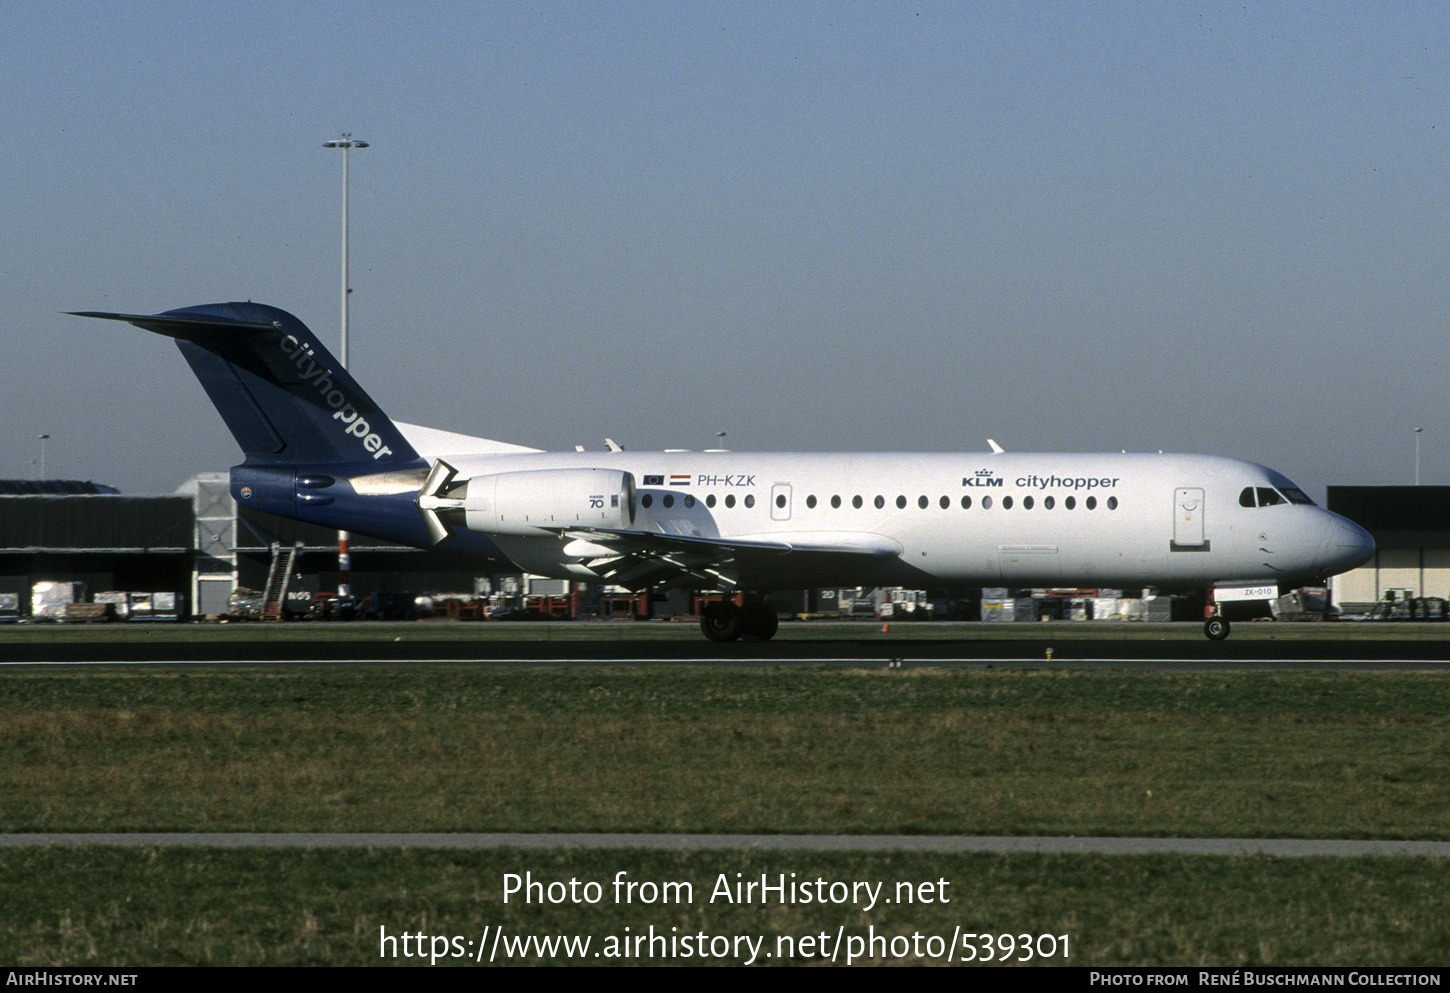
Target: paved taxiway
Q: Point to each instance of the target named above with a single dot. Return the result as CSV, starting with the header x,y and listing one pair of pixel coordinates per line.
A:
x,y
1430,653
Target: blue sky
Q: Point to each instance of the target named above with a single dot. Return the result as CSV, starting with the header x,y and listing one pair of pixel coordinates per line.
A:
x,y
1208,227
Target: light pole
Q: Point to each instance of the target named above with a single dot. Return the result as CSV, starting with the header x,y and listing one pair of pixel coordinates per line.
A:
x,y
347,142
43,439
1418,432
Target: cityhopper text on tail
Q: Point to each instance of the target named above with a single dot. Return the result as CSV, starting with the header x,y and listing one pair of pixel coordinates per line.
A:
x,y
318,449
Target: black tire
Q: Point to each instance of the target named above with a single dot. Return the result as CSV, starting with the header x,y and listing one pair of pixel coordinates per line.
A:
x,y
1215,628
758,621
721,622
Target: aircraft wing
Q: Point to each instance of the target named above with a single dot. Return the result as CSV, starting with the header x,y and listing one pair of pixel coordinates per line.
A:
x,y
637,559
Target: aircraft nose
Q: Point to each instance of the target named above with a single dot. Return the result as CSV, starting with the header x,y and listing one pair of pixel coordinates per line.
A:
x,y
1346,546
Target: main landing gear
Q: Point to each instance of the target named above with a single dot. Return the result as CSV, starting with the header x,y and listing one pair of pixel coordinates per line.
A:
x,y
754,621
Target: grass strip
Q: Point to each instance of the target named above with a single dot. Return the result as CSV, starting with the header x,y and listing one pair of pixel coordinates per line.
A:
x,y
678,749
112,906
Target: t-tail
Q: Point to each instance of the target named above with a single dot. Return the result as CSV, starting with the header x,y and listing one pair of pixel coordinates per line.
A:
x,y
285,398
309,432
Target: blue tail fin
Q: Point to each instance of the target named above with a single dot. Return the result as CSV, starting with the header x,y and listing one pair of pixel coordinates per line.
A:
x,y
285,398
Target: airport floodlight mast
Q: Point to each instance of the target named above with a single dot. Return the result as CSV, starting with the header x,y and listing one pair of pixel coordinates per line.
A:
x,y
347,142
1418,432
43,439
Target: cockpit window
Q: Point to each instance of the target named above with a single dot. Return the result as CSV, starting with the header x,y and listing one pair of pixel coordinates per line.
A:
x,y
1267,496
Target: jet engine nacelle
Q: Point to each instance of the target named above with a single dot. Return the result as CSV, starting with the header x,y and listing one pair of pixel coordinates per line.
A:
x,y
538,501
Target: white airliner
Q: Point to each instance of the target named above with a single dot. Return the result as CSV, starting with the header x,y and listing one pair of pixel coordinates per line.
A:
x,y
319,450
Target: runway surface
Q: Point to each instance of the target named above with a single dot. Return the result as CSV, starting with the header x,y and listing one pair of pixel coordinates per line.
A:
x,y
975,650
759,842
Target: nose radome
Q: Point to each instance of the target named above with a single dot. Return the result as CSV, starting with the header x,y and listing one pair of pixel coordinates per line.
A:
x,y
1346,546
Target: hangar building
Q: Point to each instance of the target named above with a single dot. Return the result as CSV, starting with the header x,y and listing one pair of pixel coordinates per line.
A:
x,y
1411,528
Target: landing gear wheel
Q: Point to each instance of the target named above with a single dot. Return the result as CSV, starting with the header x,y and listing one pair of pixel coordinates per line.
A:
x,y
1216,628
758,621
721,622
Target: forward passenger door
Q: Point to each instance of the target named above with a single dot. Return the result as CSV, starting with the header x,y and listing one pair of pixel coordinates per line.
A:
x,y
1188,518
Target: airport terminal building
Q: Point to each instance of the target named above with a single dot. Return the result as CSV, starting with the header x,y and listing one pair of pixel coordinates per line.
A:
x,y
196,545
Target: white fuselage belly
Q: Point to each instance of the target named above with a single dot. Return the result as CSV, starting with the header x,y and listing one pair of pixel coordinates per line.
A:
x,y
1029,520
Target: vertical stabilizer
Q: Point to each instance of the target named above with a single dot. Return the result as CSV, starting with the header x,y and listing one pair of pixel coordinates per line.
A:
x,y
284,397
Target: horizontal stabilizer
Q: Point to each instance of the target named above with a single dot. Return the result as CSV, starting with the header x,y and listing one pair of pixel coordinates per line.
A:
x,y
186,328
